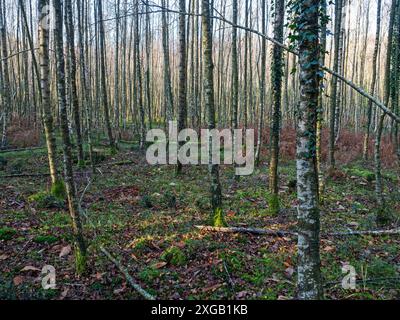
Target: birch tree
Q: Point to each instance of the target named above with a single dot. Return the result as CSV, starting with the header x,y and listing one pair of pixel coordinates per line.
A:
x,y
5,98
57,184
334,85
216,193
373,80
73,77
277,74
306,22
182,117
104,90
382,213
73,205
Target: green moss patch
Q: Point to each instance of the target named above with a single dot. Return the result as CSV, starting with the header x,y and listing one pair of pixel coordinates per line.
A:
x,y
45,200
45,239
7,233
174,256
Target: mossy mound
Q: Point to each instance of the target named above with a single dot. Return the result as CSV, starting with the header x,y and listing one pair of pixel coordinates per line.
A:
x,y
169,199
45,200
146,202
58,190
274,205
142,245
383,216
174,256
362,173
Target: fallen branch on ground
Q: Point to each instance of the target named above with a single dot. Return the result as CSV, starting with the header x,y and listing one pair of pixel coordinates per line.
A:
x,y
281,233
128,142
25,175
119,163
33,175
277,233
121,268
371,280
128,277
366,232
21,150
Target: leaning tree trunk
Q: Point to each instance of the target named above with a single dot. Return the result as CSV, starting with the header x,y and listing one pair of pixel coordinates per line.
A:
x,y
80,246
216,197
277,74
309,274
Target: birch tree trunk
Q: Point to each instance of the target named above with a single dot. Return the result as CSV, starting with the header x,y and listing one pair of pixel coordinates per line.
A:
x,y
57,184
72,76
169,104
103,76
73,205
320,119
262,84
333,102
85,82
382,214
309,274
116,67
138,76
216,196
277,74
149,102
373,81
5,101
235,72
395,80
182,119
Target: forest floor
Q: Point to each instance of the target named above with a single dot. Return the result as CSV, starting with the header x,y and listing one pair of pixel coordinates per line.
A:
x,y
146,217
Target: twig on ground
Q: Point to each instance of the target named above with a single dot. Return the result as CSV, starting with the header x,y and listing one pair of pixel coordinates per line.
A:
x,y
128,277
121,268
231,282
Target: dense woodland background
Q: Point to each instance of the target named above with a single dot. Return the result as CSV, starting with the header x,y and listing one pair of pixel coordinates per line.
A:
x,y
81,83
